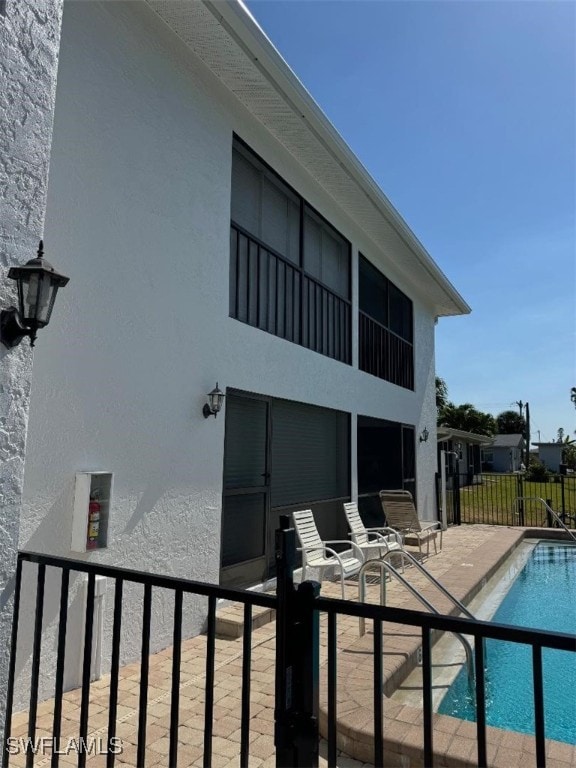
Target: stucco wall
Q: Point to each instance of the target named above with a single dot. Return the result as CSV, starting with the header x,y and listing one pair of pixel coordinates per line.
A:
x,y
506,459
138,216
551,456
29,41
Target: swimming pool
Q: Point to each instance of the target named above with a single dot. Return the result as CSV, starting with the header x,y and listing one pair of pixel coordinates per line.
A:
x,y
542,596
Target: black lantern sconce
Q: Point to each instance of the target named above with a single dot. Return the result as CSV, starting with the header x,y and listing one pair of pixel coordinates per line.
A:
x,y
214,404
424,435
38,284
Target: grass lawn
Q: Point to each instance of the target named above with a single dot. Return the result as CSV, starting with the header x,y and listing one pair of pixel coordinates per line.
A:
x,y
492,501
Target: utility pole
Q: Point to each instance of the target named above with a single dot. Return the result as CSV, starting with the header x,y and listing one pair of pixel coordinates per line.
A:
x,y
525,456
527,436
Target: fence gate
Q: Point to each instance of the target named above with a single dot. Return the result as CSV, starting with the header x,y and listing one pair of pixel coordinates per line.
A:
x,y
499,498
451,497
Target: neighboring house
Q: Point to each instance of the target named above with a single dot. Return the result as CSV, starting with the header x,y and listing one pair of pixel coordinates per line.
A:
x,y
505,454
463,453
215,228
551,455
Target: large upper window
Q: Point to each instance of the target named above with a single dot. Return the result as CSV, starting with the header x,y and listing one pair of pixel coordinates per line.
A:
x,y
263,206
326,254
289,268
385,328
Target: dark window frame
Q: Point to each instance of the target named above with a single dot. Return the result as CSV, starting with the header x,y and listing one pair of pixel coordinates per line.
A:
x,y
321,315
383,352
385,460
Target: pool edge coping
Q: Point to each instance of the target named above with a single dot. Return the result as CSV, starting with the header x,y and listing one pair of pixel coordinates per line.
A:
x,y
455,742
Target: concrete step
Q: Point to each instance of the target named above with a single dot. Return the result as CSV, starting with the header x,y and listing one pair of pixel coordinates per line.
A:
x,y
230,619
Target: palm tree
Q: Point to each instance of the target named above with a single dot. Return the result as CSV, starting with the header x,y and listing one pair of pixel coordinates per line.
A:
x,y
510,423
467,418
573,395
441,393
563,438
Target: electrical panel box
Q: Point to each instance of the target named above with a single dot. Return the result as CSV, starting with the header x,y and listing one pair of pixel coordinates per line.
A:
x,y
92,498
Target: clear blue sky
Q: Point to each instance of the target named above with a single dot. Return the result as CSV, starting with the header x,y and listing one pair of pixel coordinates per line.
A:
x,y
464,113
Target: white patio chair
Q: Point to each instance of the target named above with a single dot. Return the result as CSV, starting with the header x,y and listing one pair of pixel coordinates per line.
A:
x,y
317,554
374,543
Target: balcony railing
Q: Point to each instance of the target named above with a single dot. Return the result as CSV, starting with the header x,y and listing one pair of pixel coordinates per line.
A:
x,y
384,354
269,292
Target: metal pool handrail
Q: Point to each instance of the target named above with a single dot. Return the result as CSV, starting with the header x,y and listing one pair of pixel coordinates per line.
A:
x,y
384,566
414,561
548,509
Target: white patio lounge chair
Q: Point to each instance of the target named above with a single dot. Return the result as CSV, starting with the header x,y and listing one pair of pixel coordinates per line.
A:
x,y
317,554
400,512
374,543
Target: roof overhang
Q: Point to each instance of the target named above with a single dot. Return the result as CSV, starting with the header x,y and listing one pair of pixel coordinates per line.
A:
x,y
552,445
226,37
447,433
519,443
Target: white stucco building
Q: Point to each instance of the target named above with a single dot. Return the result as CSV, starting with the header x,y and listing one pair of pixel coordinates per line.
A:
x,y
551,455
215,228
505,453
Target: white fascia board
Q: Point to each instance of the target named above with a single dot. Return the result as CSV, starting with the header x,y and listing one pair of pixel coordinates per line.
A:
x,y
242,26
446,433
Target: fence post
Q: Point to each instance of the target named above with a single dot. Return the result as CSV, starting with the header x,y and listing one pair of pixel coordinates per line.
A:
x,y
285,558
437,491
456,498
520,495
306,675
297,660
549,517
562,490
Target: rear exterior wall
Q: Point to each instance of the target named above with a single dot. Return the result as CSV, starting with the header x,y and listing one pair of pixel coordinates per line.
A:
x,y
138,216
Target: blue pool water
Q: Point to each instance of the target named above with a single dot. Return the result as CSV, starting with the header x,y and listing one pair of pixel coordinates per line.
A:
x,y
542,596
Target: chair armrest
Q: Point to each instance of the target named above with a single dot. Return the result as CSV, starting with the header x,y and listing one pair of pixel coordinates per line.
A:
x,y
337,555
407,529
355,547
376,537
427,526
386,531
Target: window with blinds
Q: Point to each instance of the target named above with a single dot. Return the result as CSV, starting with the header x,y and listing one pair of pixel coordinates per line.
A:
x,y
326,254
310,454
263,206
289,268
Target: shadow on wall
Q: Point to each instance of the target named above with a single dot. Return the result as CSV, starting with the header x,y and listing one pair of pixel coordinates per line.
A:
x,y
152,494
53,536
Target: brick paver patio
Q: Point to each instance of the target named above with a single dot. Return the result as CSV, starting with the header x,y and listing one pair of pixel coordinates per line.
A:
x,y
470,554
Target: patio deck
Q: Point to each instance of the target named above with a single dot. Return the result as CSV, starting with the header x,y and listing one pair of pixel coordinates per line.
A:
x,y
470,555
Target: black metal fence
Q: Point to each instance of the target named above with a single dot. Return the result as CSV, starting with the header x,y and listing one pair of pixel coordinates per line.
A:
x,y
508,499
122,577
269,292
298,613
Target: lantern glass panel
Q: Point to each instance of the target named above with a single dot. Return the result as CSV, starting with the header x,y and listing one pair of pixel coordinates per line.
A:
x,y
38,295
